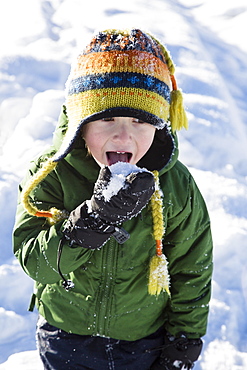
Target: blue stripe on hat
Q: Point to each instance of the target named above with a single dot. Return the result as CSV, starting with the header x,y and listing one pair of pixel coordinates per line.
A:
x,y
119,79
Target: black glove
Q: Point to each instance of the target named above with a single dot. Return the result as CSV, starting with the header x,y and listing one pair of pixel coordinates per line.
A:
x,y
93,222
178,353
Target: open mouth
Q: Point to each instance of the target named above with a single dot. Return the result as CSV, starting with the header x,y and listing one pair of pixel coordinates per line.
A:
x,y
114,157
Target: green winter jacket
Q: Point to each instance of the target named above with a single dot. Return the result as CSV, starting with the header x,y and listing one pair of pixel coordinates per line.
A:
x,y
110,297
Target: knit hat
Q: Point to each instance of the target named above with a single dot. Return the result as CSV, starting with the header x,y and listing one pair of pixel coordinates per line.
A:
x,y
121,74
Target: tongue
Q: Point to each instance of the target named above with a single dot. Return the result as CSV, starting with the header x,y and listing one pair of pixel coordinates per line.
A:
x,y
114,157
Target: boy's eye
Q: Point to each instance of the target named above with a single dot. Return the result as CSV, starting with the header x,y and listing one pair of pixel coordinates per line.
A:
x,y
137,120
112,119
107,119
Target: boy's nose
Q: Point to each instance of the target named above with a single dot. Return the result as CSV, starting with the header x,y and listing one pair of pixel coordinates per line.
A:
x,y
122,132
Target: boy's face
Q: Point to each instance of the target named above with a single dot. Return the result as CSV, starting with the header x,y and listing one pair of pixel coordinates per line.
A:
x,y
118,139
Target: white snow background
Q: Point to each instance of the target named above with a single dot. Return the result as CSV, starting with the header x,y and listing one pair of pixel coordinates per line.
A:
x,y
207,39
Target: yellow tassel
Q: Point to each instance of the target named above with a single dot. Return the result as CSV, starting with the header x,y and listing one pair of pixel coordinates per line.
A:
x,y
57,215
159,279
178,116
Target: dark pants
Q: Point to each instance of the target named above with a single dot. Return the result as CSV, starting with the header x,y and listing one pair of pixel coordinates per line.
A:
x,y
64,351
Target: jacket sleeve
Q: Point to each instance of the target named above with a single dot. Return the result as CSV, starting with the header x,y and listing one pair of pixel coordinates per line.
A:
x,y
188,247
35,241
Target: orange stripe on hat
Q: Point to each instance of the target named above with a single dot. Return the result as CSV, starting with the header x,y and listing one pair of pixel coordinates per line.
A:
x,y
121,61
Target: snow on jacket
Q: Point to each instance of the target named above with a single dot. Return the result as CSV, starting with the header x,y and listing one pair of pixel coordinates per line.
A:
x,y
110,297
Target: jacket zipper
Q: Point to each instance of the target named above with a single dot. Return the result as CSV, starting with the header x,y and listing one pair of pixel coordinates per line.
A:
x,y
106,289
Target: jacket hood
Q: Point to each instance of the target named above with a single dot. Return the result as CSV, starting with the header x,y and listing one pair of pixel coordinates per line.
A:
x,y
161,156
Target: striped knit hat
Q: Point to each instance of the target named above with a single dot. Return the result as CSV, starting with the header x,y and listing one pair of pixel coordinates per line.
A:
x,y
124,74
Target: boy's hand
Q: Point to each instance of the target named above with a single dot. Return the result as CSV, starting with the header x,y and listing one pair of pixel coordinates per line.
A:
x,y
178,353
116,198
115,204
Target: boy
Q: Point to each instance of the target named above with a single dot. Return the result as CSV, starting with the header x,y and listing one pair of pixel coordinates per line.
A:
x,y
96,206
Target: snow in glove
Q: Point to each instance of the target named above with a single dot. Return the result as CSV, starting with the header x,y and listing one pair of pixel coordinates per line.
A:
x,y
178,353
120,193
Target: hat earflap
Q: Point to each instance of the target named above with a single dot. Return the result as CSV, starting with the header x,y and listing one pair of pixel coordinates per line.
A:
x,y
53,215
159,279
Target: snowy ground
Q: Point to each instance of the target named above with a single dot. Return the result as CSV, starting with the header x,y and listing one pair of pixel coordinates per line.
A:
x,y
207,39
